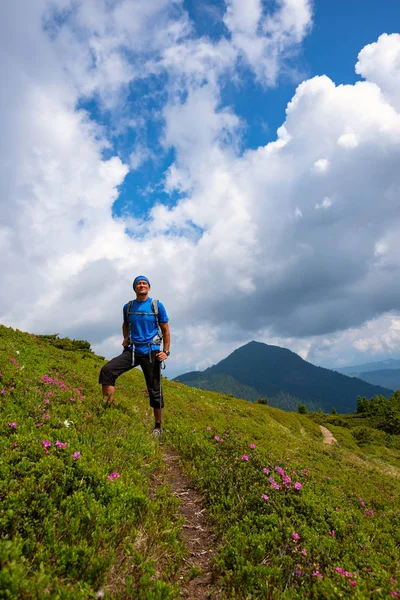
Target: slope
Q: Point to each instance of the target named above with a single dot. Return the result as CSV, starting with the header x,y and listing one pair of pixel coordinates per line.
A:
x,y
293,518
270,370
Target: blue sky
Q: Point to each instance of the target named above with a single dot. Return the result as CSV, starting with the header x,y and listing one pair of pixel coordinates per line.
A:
x,y
241,155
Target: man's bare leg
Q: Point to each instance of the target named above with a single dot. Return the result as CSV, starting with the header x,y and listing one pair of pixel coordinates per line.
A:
x,y
108,393
157,415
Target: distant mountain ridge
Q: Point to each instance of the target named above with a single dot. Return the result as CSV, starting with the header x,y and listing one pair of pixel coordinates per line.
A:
x,y
261,370
389,364
384,372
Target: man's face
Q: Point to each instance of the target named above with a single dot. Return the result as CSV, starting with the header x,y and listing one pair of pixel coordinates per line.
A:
x,y
142,288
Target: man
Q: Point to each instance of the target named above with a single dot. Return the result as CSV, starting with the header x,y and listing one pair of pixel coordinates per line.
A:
x,y
142,341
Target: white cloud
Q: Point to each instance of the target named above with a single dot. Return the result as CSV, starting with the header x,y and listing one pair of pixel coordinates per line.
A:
x,y
326,203
266,40
380,63
321,165
348,139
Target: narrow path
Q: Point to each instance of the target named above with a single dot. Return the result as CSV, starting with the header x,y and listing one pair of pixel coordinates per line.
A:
x,y
196,579
328,436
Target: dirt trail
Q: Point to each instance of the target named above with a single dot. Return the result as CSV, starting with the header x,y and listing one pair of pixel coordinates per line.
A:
x,y
199,538
328,436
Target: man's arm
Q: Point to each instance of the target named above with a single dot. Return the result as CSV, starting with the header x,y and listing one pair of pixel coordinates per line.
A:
x,y
166,340
125,333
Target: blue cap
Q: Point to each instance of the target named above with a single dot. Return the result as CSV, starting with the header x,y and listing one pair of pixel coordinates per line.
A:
x,y
140,278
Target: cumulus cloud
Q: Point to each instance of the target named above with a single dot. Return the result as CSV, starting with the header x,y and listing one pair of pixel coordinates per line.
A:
x,y
264,39
240,251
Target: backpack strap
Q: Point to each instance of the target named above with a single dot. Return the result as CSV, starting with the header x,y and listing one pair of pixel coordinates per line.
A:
x,y
154,307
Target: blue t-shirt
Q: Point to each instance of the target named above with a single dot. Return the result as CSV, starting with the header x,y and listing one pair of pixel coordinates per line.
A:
x,y
143,324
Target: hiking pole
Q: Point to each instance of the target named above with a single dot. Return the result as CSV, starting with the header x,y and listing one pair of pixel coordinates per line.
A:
x,y
161,367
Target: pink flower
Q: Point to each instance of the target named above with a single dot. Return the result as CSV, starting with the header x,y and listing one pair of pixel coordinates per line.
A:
x,y
275,486
208,428
264,497
13,425
39,424
340,570
266,471
353,583
46,443
252,446
15,444
61,445
332,533
298,486
295,536
3,392
217,438
113,476
304,552
245,457
317,574
76,455
391,579
280,471
46,416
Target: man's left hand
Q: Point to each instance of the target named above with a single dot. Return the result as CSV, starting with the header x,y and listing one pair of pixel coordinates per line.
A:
x,y
162,356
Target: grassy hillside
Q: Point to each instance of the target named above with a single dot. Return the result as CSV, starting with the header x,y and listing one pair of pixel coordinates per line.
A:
x,y
83,510
261,370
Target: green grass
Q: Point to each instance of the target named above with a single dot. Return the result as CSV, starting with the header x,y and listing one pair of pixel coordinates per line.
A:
x,y
68,531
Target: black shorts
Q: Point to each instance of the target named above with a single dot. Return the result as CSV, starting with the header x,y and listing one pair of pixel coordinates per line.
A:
x,y
151,368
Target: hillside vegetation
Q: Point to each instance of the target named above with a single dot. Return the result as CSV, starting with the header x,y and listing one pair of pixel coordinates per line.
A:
x,y
260,370
86,511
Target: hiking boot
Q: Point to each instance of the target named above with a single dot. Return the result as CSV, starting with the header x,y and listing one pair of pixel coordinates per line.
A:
x,y
157,433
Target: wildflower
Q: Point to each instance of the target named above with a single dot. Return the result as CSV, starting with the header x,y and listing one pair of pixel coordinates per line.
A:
x,y
298,572
13,425
353,583
46,443
47,416
3,392
67,423
15,444
266,471
298,486
61,445
271,480
252,446
304,552
276,486
113,476
295,536
76,455
208,428
39,424
317,574
286,479
340,570
391,579
280,471
217,438
245,457
264,497
369,512
332,533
